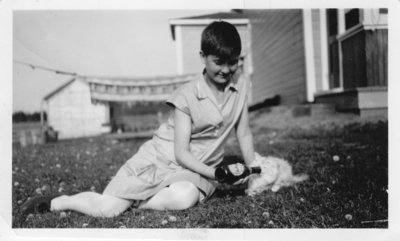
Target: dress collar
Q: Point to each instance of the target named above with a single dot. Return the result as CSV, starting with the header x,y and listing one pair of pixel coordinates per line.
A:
x,y
204,91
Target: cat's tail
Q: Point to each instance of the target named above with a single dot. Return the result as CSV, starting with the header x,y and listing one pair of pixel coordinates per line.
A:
x,y
289,181
298,178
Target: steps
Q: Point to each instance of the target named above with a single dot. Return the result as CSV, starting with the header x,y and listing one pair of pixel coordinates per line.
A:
x,y
314,109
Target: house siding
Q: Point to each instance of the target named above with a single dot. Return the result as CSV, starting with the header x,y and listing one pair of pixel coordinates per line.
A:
x,y
278,55
71,113
273,43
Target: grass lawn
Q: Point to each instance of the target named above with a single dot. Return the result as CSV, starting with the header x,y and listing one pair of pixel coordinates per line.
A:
x,y
346,158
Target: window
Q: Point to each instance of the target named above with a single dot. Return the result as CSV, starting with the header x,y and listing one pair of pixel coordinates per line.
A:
x,y
348,44
333,30
332,22
352,17
383,11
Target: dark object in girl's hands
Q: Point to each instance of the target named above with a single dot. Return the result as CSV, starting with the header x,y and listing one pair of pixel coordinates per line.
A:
x,y
234,172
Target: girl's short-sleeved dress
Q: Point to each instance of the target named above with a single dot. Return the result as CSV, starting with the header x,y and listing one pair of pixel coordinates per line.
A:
x,y
154,166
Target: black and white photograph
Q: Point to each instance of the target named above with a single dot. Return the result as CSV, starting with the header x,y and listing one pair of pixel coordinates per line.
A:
x,y
234,122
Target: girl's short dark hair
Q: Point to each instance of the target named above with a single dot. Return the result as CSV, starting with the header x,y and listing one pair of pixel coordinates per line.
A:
x,y
221,39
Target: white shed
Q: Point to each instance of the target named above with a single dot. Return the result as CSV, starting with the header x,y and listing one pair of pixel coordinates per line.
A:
x,y
71,112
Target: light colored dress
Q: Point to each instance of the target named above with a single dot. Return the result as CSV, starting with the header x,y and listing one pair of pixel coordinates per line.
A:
x,y
154,166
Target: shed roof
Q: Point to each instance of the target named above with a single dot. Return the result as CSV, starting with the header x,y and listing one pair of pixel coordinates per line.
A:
x,y
235,14
234,17
54,92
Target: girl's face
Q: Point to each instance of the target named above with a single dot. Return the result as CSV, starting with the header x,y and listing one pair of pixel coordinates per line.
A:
x,y
219,71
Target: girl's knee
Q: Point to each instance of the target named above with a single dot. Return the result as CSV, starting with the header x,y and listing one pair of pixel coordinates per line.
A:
x,y
186,194
178,196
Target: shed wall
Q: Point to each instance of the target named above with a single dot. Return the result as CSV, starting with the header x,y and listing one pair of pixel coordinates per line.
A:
x,y
71,113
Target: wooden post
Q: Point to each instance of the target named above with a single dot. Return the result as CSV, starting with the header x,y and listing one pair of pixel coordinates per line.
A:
x,y
42,123
22,139
34,137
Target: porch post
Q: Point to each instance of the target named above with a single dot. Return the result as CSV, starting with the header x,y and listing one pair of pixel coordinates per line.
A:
x,y
341,30
309,54
324,50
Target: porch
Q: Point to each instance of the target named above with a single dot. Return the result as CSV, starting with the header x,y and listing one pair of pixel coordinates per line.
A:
x,y
364,101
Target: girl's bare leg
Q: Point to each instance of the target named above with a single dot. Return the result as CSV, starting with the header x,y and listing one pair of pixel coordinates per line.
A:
x,y
91,203
178,196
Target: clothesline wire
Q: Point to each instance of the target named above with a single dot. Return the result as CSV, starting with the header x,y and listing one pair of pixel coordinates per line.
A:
x,y
33,66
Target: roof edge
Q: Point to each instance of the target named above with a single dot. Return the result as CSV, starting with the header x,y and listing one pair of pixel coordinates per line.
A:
x,y
206,21
57,90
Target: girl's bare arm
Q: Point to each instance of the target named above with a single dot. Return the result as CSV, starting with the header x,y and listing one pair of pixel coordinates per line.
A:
x,y
181,146
244,136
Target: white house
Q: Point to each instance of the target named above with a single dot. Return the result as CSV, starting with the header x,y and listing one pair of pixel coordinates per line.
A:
x,y
336,56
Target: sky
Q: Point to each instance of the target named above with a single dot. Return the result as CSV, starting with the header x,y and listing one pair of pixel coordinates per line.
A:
x,y
117,43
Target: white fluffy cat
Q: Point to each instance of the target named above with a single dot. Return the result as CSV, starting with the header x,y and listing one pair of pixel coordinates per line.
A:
x,y
275,173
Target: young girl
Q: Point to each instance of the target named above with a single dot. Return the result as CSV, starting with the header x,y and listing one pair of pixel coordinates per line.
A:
x,y
177,167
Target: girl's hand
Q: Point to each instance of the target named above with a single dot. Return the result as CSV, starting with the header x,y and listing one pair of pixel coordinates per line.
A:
x,y
241,181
